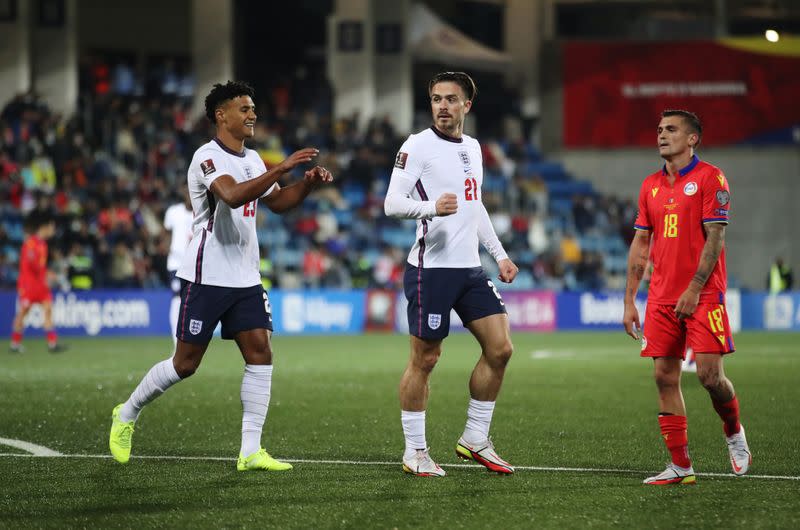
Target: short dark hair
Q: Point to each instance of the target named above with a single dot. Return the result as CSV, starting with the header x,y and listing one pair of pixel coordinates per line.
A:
x,y
37,219
690,118
462,79
221,93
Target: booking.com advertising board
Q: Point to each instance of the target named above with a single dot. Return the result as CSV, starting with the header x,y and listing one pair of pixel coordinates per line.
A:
x,y
142,313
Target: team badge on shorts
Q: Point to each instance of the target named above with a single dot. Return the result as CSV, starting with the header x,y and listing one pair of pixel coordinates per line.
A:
x,y
690,188
195,326
434,320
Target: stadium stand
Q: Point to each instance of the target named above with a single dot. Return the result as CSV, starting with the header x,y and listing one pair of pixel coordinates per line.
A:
x,y
109,172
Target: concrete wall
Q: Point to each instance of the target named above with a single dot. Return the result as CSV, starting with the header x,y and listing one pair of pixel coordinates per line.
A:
x,y
765,190
144,26
15,66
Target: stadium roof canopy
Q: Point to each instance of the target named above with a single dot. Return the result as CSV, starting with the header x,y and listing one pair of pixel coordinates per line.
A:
x,y
432,39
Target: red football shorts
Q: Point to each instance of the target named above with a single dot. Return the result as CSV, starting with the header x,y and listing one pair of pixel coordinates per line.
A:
x,y
706,331
33,294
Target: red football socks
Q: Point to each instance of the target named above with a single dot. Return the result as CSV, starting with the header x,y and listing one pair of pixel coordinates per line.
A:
x,y
52,338
16,337
729,412
673,429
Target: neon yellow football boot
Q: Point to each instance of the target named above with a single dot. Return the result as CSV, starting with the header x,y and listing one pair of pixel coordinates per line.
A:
x,y
260,460
119,441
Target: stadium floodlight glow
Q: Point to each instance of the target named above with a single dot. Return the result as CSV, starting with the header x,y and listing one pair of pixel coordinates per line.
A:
x,y
772,35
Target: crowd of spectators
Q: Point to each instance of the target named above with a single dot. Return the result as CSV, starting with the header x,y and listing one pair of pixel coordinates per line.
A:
x,y
109,172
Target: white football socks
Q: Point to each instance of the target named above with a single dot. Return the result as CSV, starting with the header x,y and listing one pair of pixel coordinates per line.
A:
x,y
174,309
156,382
479,418
414,431
255,392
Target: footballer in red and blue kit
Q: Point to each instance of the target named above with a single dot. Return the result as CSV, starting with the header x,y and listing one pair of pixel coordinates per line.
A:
x,y
675,216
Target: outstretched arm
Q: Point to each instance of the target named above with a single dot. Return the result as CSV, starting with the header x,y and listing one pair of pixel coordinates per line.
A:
x,y
715,242
284,199
637,261
235,194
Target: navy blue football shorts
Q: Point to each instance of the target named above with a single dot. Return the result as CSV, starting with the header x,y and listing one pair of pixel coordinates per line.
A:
x,y
432,293
238,308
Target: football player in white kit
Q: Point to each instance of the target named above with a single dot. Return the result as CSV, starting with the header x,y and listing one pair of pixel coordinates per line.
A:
x,y
219,273
437,180
178,220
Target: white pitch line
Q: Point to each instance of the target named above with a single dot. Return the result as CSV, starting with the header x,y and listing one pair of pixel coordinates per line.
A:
x,y
35,450
386,463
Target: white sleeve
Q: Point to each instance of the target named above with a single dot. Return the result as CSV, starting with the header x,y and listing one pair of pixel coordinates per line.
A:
x,y
408,167
488,237
264,169
399,203
212,164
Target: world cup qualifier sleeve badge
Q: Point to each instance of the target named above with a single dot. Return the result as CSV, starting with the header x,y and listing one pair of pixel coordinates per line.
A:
x,y
207,167
434,320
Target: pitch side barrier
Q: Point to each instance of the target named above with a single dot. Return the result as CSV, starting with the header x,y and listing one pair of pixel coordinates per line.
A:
x,y
145,312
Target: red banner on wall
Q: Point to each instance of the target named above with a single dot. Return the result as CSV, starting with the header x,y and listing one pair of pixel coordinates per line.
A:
x,y
744,90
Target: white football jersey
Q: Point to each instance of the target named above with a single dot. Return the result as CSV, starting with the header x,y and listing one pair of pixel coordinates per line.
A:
x,y
178,220
429,164
224,246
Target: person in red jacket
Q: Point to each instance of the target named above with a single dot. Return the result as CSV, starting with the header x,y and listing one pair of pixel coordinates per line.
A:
x,y
32,285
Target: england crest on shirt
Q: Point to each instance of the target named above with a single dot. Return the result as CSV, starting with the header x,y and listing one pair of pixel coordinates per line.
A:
x,y
434,320
195,326
464,155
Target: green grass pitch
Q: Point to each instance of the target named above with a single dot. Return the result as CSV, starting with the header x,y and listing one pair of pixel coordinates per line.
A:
x,y
570,400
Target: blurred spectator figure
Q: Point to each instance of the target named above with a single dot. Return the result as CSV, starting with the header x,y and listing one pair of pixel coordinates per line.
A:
x,y
388,270
122,271
123,80
589,272
117,219
570,258
80,268
327,226
583,211
314,265
8,273
570,249
360,270
59,271
501,221
532,193
538,240
780,277
266,268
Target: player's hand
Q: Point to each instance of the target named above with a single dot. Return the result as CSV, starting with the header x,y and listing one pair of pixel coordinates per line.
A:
x,y
317,175
687,303
303,156
508,271
630,319
446,204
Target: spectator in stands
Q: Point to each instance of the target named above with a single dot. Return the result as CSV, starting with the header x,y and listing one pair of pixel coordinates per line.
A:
x,y
780,277
123,268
